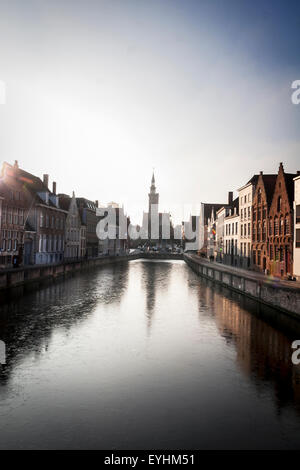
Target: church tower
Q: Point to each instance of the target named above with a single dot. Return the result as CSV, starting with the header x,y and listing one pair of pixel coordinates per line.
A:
x,y
153,211
153,195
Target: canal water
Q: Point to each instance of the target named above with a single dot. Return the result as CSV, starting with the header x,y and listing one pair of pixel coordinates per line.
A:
x,y
146,355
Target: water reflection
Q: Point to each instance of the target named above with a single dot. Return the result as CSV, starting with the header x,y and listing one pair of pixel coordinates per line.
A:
x,y
27,325
263,352
211,369
155,276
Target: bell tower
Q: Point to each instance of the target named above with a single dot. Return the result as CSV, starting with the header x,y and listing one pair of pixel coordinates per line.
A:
x,y
153,195
153,209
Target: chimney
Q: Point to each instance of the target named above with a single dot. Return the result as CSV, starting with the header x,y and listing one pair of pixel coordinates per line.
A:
x,y
298,172
261,172
96,203
16,164
46,180
230,197
54,187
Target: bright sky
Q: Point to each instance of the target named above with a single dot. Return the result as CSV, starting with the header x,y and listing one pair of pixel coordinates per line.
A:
x,y
99,92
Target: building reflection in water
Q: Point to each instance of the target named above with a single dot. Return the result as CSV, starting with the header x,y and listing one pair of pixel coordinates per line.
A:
x,y
155,277
262,339
27,324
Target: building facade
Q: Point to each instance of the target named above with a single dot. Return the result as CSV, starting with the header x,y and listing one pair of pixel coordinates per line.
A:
x,y
296,269
231,235
262,200
245,194
87,211
15,205
72,246
206,211
280,226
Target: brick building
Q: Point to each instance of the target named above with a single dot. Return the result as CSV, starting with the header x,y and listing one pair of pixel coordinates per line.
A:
x,y
33,223
280,233
89,220
15,205
296,270
72,249
262,201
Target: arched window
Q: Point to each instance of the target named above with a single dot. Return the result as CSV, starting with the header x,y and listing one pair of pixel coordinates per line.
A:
x,y
287,225
259,231
276,226
281,226
264,230
270,226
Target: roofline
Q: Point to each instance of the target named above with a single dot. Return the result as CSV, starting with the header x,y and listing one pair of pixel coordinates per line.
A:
x,y
52,208
297,178
245,186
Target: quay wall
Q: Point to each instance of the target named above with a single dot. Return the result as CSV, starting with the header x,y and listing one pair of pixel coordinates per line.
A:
x,y
282,295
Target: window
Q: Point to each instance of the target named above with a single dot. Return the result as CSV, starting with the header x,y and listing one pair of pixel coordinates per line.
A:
x,y
264,230
298,214
259,196
287,226
298,238
41,219
271,252
259,232
9,216
21,217
249,212
245,230
249,230
271,227
281,226
279,204
258,258
276,226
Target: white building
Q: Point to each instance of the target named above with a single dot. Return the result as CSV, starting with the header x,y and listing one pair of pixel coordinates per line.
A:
x,y
231,235
297,228
246,194
220,231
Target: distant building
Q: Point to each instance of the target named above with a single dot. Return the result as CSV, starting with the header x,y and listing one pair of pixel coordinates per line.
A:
x,y
220,232
87,211
231,235
160,228
72,247
246,194
206,211
118,245
297,228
